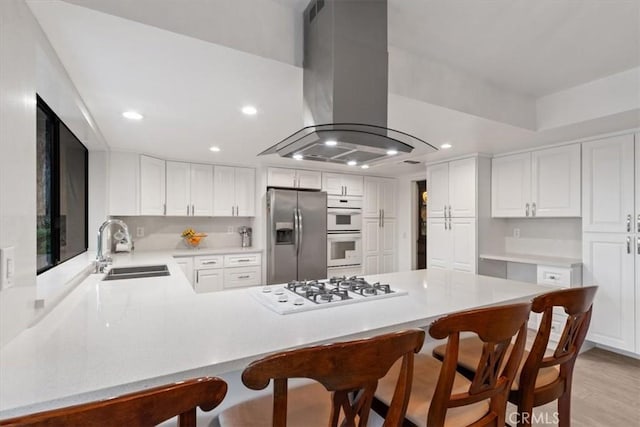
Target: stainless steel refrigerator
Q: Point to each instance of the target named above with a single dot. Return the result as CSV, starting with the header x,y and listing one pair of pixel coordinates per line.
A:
x,y
296,235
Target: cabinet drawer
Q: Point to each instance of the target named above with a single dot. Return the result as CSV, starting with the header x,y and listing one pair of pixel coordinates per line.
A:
x,y
240,260
210,261
555,276
241,276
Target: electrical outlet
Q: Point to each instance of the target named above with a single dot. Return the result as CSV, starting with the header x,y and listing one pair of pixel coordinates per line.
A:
x,y
230,229
7,267
140,232
516,233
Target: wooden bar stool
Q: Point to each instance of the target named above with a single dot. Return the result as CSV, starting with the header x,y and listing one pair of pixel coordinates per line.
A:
x,y
442,397
140,409
543,378
343,369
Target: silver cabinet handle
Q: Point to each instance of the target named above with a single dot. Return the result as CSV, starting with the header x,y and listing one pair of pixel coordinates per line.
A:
x,y
445,223
193,210
243,260
379,218
638,244
450,226
243,277
629,223
638,223
197,276
382,218
628,244
187,210
444,211
164,209
527,209
449,211
209,262
533,209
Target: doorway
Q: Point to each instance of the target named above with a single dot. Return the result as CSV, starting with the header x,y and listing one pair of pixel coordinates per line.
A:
x,y
421,241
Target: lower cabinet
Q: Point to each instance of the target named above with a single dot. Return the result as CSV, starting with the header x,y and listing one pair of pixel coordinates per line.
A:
x,y
379,246
451,244
211,273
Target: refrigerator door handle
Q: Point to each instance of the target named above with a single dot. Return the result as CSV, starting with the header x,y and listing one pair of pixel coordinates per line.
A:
x,y
299,230
295,231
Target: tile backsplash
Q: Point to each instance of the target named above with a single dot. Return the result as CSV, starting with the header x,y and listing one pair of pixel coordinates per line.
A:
x,y
164,232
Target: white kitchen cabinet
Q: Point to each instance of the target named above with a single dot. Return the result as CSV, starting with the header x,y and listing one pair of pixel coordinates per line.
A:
x,y
152,186
342,184
541,183
608,185
234,191
217,272
452,189
379,197
124,184
240,277
451,244
609,261
379,246
294,178
186,264
209,280
189,189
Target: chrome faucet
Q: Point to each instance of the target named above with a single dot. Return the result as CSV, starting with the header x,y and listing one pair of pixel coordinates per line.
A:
x,y
101,260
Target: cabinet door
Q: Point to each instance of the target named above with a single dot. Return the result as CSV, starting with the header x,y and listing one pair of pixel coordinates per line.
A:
x,y
354,185
607,184
332,183
387,197
608,262
178,189
555,181
462,188
437,190
152,186
240,277
281,177
371,246
438,243
186,264
209,280
201,190
245,192
511,185
388,234
311,180
463,244
371,197
224,198
124,184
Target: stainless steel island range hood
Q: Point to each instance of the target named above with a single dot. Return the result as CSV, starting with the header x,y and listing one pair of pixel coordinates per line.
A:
x,y
346,87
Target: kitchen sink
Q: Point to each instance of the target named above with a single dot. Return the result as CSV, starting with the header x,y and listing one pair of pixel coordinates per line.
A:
x,y
137,272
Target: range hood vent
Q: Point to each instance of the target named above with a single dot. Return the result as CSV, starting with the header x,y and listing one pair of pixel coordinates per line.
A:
x,y
346,87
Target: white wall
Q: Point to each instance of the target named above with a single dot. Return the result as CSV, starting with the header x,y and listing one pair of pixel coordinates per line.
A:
x,y
28,65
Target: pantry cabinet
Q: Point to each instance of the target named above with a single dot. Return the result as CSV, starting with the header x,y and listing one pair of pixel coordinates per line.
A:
x,y
541,183
294,178
379,245
189,189
452,244
342,184
234,191
152,186
379,197
451,188
611,239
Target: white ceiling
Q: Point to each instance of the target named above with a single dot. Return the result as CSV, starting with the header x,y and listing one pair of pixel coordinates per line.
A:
x,y
191,87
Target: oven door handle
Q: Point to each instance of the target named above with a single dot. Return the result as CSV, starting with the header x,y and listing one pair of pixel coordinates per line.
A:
x,y
344,211
343,237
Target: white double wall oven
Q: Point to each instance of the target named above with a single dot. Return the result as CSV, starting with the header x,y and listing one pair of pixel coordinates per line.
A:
x,y
344,236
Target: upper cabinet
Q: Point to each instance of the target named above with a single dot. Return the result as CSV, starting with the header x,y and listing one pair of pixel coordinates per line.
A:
x,y
189,189
542,183
294,178
379,197
234,191
124,184
452,189
342,184
608,185
152,186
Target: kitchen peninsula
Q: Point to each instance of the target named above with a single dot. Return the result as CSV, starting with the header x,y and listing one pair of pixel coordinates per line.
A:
x,y
109,338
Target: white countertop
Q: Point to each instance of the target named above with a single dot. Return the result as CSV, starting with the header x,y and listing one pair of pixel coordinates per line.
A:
x,y
208,251
109,338
534,259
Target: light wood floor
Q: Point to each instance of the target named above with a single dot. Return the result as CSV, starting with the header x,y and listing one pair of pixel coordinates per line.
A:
x,y
606,392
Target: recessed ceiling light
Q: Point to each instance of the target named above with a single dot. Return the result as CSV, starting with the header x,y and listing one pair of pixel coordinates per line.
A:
x,y
446,146
298,156
214,149
249,110
331,142
392,152
352,163
132,115
365,166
